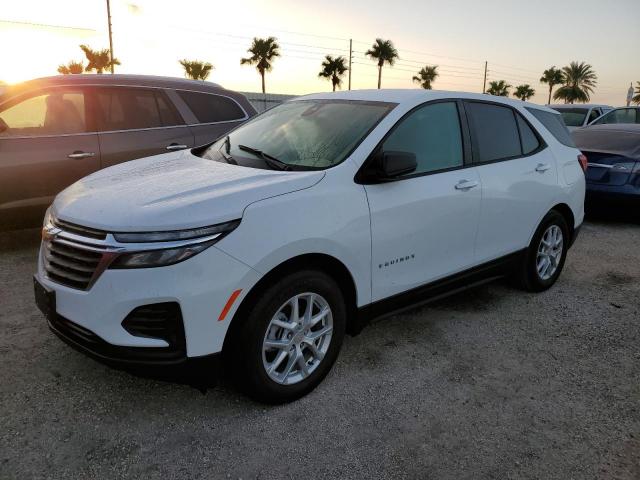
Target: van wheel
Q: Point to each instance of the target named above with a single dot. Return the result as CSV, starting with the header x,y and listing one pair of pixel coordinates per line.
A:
x,y
290,338
545,257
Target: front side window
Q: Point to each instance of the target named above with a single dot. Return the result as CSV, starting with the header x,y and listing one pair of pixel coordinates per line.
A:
x,y
132,109
53,113
209,108
494,131
302,134
432,133
621,115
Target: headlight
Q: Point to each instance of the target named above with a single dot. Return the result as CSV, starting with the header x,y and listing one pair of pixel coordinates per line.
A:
x,y
176,235
159,258
47,217
186,244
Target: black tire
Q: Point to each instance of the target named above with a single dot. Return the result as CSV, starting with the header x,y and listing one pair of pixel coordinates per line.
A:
x,y
527,276
246,364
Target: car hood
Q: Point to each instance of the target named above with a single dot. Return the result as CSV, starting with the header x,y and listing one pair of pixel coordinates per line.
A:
x,y
170,192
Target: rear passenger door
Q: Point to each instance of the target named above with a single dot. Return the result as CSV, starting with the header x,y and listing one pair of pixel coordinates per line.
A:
x,y
135,122
518,175
213,115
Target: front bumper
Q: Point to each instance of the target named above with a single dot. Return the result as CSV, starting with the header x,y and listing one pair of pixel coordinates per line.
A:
x,y
92,320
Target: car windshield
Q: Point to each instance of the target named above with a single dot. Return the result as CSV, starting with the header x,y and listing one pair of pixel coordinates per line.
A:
x,y
573,117
300,135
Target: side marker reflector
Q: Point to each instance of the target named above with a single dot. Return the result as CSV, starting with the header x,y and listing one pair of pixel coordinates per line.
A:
x,y
228,305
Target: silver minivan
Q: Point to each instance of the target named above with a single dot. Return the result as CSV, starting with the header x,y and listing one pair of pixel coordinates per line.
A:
x,y
56,130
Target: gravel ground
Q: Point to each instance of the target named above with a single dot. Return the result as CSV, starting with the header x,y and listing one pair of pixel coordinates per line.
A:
x,y
491,383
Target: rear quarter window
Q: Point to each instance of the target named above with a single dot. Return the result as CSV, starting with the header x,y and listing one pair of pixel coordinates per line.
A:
x,y
210,108
554,124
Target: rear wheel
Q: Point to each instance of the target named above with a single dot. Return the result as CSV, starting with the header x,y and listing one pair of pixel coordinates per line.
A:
x,y
290,338
545,257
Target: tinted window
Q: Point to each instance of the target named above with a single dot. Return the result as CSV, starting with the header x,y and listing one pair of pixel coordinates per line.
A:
x,y
494,131
553,122
621,115
529,139
133,108
573,117
432,133
212,108
53,113
595,113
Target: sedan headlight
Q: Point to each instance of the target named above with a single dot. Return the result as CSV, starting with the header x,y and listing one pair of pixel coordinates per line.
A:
x,y
159,249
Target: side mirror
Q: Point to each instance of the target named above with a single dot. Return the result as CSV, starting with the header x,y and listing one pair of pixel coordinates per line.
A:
x,y
394,164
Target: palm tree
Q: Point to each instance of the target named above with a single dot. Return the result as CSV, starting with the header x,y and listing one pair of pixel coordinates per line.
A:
x,y
263,51
384,52
426,76
578,85
552,76
636,97
71,68
524,92
196,70
499,88
333,69
99,60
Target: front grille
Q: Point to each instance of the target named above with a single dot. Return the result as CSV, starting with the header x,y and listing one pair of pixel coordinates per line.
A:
x,y
69,264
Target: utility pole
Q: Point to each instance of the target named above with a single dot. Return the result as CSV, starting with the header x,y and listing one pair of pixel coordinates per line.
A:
x,y
350,55
484,83
110,37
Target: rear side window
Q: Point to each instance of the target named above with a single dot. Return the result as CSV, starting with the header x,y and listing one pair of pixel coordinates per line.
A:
x,y
494,131
132,109
209,108
529,139
553,122
432,133
621,115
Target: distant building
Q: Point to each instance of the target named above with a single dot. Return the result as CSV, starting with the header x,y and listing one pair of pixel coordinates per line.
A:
x,y
265,101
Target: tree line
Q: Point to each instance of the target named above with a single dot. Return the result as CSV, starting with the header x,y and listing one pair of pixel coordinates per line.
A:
x,y
576,81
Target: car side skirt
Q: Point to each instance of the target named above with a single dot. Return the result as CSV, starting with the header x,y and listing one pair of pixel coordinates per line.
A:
x,y
487,272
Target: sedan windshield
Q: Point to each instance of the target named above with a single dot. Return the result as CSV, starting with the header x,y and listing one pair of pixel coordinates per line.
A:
x,y
573,117
300,135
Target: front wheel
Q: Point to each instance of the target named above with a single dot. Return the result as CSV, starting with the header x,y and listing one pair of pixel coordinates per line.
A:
x,y
545,257
290,338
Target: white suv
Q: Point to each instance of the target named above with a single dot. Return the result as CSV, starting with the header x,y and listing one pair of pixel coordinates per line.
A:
x,y
300,225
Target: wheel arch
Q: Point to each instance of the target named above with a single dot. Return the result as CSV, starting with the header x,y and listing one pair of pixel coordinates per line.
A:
x,y
311,261
565,210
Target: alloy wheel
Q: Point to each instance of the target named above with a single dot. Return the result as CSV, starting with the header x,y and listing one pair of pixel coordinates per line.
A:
x,y
550,252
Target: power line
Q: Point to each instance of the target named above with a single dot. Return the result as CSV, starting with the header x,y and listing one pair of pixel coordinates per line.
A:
x,y
47,25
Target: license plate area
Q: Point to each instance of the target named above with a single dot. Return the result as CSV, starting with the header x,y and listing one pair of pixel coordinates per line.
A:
x,y
45,299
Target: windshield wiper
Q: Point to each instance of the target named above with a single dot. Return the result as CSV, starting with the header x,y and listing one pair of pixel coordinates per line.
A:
x,y
270,160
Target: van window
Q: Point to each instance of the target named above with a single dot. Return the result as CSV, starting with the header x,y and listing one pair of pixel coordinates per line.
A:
x,y
553,122
53,113
432,133
209,108
132,109
494,131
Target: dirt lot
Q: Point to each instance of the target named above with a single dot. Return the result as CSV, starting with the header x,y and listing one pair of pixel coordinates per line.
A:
x,y
491,383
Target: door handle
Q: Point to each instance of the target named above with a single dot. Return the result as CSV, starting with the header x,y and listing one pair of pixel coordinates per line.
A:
x,y
79,154
543,167
175,146
466,185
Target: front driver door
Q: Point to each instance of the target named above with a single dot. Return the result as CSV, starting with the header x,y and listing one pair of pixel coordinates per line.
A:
x,y
47,142
423,225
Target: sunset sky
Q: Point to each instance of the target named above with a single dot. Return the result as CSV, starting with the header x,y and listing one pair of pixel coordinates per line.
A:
x,y
519,39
